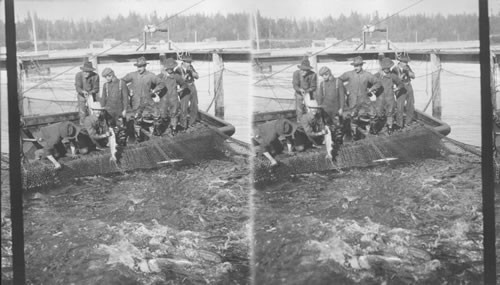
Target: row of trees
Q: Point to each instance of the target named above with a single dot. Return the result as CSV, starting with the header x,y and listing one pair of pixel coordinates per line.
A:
x,y
237,27
402,28
123,28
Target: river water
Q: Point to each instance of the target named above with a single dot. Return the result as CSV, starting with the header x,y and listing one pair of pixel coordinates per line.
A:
x,y
236,95
460,93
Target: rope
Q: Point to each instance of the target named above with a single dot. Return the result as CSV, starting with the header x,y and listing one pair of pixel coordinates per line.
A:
x,y
218,89
461,75
341,41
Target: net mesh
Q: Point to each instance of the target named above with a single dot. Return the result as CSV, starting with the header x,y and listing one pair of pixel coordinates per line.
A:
x,y
419,143
189,148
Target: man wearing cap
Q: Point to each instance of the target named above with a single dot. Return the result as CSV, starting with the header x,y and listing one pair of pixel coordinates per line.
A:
x,y
95,131
175,88
311,129
406,99
304,83
53,138
361,85
114,95
189,102
331,93
86,84
144,84
268,137
386,102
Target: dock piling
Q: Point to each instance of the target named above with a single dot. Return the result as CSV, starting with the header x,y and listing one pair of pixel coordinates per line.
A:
x,y
218,85
436,85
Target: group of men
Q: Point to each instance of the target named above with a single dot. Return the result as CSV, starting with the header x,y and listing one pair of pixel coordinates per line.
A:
x,y
355,102
168,100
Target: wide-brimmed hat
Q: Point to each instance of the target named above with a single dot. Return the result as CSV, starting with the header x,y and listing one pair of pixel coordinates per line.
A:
x,y
285,128
324,70
107,71
97,106
71,131
170,63
187,58
305,64
386,63
358,60
404,58
141,61
87,66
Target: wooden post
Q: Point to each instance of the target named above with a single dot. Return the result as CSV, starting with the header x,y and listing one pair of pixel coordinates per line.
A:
x,y
494,82
218,85
436,85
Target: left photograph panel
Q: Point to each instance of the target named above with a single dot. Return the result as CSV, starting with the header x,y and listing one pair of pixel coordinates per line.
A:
x,y
135,160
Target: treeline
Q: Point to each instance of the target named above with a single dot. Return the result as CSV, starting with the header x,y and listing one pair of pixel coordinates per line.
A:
x,y
123,28
401,28
236,27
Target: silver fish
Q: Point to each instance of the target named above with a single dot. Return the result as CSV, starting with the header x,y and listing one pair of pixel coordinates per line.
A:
x,y
90,102
329,143
329,149
112,144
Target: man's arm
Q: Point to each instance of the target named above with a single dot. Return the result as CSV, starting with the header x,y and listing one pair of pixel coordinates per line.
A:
x,y
193,72
396,80
345,76
313,82
296,82
158,82
376,84
411,74
104,95
341,93
124,94
128,78
79,84
95,86
321,95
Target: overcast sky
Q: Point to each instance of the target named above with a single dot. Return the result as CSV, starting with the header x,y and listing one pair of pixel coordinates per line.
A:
x,y
98,9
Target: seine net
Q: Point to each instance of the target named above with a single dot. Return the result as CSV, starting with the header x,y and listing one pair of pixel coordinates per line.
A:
x,y
183,149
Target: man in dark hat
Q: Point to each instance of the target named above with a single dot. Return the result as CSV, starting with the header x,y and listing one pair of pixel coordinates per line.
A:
x,y
268,137
406,99
304,83
361,86
189,102
53,138
143,85
86,84
170,101
386,102
114,95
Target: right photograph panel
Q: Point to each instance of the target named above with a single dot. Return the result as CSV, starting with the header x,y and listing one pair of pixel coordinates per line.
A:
x,y
367,134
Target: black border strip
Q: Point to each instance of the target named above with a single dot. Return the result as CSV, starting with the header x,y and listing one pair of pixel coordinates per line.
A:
x,y
487,169
16,191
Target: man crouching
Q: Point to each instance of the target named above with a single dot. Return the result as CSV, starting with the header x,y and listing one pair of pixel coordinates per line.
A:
x,y
53,137
269,136
95,131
